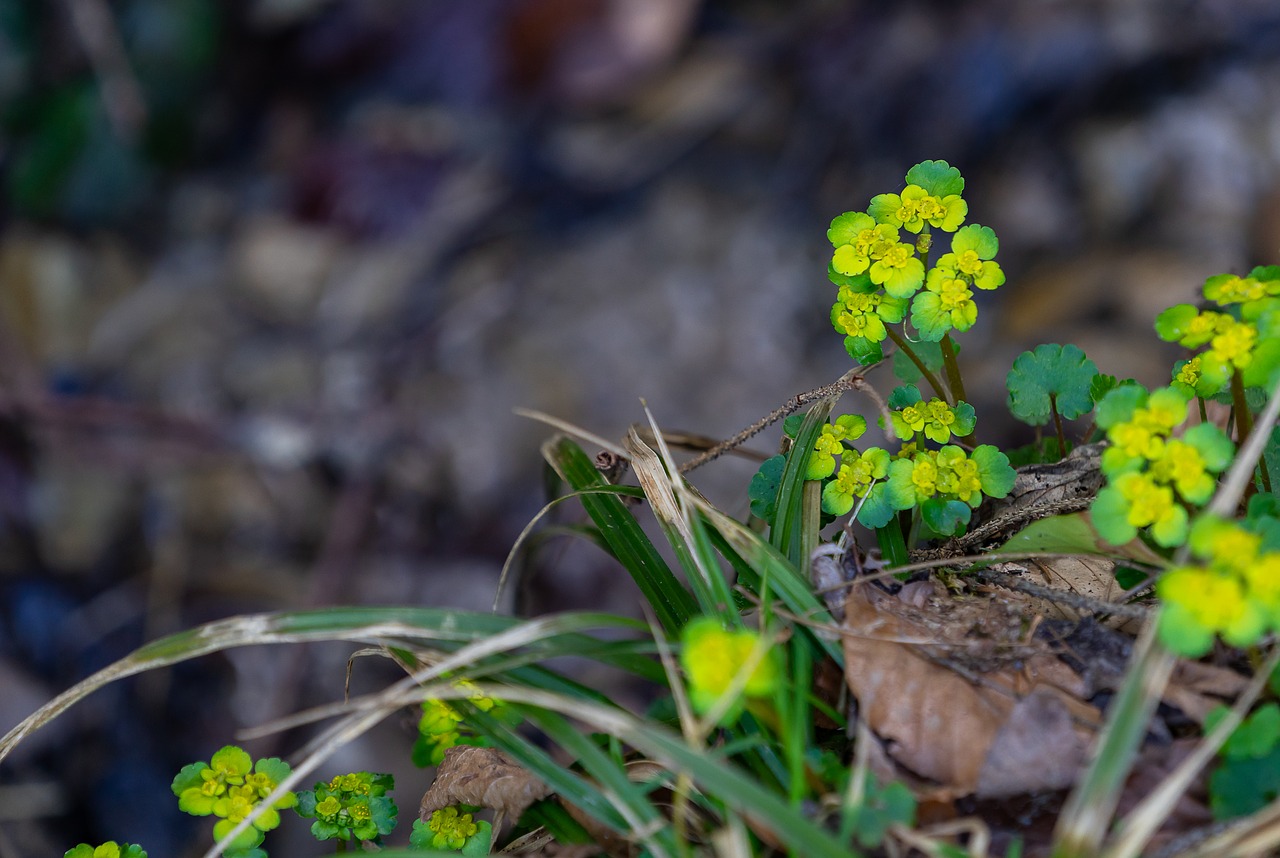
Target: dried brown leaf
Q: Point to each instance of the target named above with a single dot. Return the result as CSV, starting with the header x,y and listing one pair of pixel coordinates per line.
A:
x,y
485,777
966,731
1037,748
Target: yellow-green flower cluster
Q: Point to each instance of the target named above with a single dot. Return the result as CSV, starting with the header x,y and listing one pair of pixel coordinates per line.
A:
x,y
1243,337
441,726
451,829
1232,589
879,273
831,444
915,208
947,484
354,805
1152,476
231,786
717,660
110,849
946,303
911,416
862,245
861,310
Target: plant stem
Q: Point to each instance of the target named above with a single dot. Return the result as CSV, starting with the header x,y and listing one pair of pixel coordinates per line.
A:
x,y
1204,414
1244,424
953,370
1057,425
901,342
1244,420
892,546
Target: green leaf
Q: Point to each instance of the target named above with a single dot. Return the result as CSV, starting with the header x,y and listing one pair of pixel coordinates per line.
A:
x,y
863,350
1257,736
930,353
1172,324
791,426
881,808
763,490
901,397
188,776
945,517
1120,403
1110,517
937,177
845,228
478,843
994,470
1060,372
1074,534
876,509
1240,787
671,602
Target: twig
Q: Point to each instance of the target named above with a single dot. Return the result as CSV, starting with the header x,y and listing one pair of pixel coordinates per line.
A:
x,y
849,381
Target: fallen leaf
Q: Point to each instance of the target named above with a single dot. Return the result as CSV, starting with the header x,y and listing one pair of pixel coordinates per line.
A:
x,y
1037,748
944,724
485,777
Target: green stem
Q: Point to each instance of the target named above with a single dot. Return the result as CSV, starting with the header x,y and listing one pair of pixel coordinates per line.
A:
x,y
1244,424
901,342
1204,414
1244,420
892,545
1057,425
953,370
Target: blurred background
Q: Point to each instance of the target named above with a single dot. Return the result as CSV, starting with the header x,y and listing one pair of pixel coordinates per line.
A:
x,y
274,274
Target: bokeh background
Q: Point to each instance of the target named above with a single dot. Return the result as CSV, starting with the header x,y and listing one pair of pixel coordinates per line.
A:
x,y
274,274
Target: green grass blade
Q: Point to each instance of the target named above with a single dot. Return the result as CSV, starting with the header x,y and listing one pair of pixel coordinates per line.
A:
x,y
395,626
715,777
767,565
787,534
670,498
671,602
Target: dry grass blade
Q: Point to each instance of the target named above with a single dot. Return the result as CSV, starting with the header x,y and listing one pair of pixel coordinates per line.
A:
x,y
1086,817
1135,830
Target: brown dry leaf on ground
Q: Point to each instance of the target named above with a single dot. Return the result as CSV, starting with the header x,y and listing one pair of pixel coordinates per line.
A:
x,y
485,777
967,725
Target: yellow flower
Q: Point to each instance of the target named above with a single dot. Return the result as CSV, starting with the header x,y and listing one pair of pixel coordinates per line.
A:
x,y
713,657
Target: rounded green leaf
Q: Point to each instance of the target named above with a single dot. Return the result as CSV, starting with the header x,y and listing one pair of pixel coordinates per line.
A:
x,y
902,396
966,419
930,318
980,239
876,509
937,177
1172,324
1212,444
845,228
1062,373
994,470
763,490
863,350
945,517
1119,404
1182,634
834,500
1110,516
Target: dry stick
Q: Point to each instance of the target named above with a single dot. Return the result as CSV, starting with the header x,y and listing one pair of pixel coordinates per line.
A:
x,y
849,381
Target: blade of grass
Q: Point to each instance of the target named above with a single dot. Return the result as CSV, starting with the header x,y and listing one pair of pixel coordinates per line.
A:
x,y
671,602
768,565
1086,816
386,626
787,534
716,777
670,499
